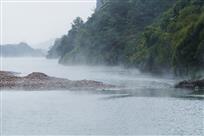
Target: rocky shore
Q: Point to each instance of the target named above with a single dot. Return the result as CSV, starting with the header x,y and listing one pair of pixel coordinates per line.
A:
x,y
191,84
41,81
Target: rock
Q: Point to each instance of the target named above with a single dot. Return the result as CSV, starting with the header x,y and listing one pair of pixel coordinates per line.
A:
x,y
41,81
191,84
37,75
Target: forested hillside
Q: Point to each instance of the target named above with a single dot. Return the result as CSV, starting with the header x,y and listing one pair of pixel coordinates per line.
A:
x,y
150,34
175,41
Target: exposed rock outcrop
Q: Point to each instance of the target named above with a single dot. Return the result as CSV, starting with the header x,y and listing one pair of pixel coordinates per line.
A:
x,y
192,84
41,81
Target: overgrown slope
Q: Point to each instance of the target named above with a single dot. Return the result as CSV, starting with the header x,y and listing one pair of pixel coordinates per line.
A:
x,y
110,34
175,42
150,34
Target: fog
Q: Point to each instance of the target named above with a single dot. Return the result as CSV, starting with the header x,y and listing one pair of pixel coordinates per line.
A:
x,y
138,104
128,81
37,22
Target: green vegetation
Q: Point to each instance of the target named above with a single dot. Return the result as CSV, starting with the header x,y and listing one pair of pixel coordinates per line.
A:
x,y
153,35
175,41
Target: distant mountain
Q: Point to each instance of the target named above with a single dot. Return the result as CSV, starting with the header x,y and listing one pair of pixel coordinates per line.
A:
x,y
19,50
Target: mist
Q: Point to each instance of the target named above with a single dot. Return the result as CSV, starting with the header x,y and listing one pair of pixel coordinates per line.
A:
x,y
101,67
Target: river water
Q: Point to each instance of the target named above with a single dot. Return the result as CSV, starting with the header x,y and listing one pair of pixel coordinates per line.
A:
x,y
146,105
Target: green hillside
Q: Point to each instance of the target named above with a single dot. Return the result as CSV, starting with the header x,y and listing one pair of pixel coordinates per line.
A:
x,y
175,41
153,35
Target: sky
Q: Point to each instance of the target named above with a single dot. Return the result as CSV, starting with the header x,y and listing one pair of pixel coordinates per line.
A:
x,y
36,22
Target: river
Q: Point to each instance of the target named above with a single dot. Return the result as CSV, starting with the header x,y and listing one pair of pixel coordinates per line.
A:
x,y
146,105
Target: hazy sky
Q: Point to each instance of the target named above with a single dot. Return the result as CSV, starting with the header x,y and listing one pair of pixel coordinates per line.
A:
x,y
36,22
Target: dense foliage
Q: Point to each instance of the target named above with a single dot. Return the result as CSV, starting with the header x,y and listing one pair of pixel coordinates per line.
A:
x,y
176,41
150,34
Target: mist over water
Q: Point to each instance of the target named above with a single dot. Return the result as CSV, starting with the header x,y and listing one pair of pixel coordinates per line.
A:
x,y
129,81
141,104
113,75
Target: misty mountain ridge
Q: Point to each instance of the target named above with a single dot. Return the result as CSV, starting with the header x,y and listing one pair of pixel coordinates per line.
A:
x,y
20,50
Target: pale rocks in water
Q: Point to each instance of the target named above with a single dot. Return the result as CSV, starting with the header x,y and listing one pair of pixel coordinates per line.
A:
x,y
191,84
41,81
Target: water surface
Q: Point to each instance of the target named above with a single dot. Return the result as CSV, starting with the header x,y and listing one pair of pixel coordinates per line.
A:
x,y
146,105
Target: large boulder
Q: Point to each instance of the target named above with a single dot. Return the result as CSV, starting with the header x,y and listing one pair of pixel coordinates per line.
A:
x,y
191,84
37,75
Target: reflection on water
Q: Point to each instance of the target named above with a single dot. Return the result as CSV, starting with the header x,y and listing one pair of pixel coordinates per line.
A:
x,y
141,105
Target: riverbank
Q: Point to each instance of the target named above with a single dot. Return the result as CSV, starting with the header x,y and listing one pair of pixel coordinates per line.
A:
x,y
41,81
